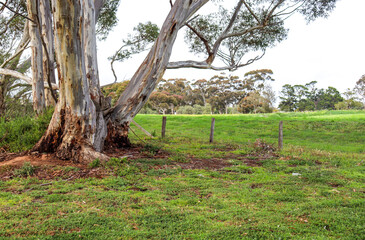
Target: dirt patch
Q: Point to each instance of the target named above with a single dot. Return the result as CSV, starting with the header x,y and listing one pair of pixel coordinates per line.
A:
x,y
48,166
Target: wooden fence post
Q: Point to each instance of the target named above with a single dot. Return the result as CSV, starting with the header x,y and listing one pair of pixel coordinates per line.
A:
x,y
163,131
280,142
212,130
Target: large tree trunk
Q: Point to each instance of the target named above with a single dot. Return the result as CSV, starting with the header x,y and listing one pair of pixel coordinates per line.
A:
x,y
37,55
77,129
91,71
48,53
149,73
72,130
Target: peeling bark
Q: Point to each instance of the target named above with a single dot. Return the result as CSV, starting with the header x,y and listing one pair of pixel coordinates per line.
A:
x,y
37,55
72,130
91,70
48,61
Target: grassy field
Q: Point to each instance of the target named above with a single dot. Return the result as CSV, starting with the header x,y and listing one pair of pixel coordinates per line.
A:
x,y
313,189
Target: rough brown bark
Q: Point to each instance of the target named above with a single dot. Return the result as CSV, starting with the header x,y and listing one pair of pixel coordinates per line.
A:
x,y
2,98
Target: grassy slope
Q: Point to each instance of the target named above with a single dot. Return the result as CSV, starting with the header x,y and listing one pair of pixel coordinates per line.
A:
x,y
327,130
144,202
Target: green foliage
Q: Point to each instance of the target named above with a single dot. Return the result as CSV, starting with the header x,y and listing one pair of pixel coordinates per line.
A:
x,y
114,90
196,109
95,163
308,98
22,133
215,95
349,104
143,36
107,18
360,88
234,48
26,170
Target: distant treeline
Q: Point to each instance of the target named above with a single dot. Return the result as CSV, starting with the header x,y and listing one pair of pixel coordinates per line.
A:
x,y
252,94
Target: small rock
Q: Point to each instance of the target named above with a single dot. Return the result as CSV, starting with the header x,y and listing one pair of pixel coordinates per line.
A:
x,y
296,174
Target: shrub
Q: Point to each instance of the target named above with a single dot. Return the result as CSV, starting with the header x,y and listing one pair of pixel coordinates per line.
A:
x,y
95,163
25,171
197,109
22,133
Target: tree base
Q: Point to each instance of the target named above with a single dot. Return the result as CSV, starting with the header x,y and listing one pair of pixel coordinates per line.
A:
x,y
117,136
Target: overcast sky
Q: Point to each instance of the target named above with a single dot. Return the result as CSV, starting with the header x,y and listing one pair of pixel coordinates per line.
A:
x,y
330,51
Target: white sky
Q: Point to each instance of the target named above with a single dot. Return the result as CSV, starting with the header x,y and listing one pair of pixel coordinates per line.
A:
x,y
330,51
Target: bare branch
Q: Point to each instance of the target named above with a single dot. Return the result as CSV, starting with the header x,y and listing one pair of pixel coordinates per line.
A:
x,y
202,38
225,32
236,34
23,77
17,13
252,13
7,24
17,53
15,74
273,10
205,65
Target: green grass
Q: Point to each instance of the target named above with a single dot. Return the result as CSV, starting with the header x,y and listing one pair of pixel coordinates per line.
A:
x,y
156,199
326,130
22,133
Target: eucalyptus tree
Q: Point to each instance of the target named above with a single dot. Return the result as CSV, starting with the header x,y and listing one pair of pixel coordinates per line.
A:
x,y
83,121
360,88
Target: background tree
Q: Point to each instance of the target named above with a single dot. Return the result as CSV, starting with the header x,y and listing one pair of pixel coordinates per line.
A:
x,y
308,98
328,98
162,102
360,88
288,98
254,103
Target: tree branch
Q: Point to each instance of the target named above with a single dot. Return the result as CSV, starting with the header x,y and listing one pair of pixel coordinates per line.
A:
x,y
202,38
23,77
223,36
252,13
20,51
205,65
17,13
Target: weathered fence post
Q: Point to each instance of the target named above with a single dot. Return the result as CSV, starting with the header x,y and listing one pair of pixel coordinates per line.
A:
x,y
280,142
163,131
212,130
